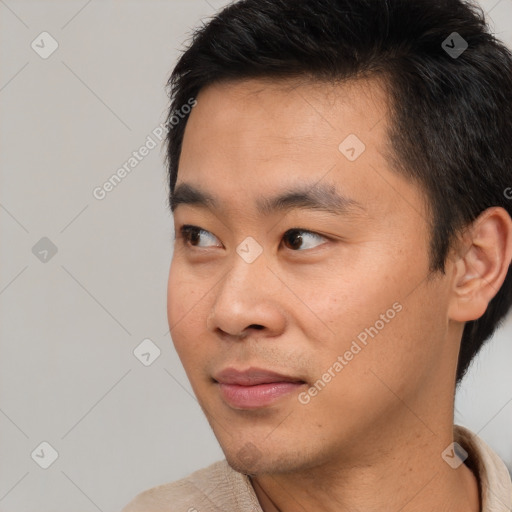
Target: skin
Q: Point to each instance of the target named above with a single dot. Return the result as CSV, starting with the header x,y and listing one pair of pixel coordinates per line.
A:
x,y
373,436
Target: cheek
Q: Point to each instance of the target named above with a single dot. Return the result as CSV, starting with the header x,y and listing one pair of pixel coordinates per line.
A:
x,y
340,301
175,298
373,312
186,307
400,354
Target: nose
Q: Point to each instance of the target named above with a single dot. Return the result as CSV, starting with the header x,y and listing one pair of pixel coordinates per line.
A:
x,y
247,301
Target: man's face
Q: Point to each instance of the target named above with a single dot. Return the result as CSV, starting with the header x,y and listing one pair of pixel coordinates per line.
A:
x,y
337,301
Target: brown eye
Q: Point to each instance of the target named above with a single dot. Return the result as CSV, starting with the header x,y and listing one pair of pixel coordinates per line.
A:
x,y
296,239
292,239
193,234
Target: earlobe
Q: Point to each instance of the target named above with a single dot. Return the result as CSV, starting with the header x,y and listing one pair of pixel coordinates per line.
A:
x,y
482,265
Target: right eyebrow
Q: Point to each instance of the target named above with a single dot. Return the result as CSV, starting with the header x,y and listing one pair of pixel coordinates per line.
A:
x,y
322,197
189,194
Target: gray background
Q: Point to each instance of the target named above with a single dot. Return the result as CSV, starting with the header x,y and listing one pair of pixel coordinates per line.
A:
x,y
70,324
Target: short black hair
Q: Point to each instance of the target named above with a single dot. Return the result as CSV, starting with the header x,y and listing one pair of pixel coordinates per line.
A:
x,y
451,106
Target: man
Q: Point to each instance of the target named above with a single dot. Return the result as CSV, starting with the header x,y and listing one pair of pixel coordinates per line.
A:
x,y
341,199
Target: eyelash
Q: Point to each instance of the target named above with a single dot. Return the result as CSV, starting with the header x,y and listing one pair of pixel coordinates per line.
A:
x,y
186,230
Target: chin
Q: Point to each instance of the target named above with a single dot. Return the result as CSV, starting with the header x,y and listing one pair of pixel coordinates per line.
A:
x,y
255,468
250,460
247,459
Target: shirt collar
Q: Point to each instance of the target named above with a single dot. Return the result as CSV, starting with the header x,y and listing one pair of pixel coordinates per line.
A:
x,y
492,474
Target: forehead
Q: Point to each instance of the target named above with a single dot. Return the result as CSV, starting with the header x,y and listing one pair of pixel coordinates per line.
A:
x,y
257,137
288,110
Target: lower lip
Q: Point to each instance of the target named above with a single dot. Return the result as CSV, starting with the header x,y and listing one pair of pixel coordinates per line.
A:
x,y
252,397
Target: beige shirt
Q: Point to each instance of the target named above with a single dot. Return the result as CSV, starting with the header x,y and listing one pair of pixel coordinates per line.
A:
x,y
218,488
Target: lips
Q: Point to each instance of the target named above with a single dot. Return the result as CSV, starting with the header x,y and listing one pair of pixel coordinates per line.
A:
x,y
252,377
255,387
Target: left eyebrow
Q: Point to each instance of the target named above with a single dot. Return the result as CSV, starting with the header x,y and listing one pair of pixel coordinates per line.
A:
x,y
322,197
319,196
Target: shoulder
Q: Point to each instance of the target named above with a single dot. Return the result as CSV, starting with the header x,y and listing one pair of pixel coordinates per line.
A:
x,y
216,488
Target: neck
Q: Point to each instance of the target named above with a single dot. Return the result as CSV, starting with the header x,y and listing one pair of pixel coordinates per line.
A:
x,y
410,477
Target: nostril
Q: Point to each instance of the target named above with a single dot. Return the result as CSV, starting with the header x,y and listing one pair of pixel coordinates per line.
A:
x,y
256,326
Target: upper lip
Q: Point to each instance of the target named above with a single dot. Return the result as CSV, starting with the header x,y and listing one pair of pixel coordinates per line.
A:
x,y
252,377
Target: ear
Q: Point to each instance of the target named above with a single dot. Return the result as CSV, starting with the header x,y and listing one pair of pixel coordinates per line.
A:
x,y
481,265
